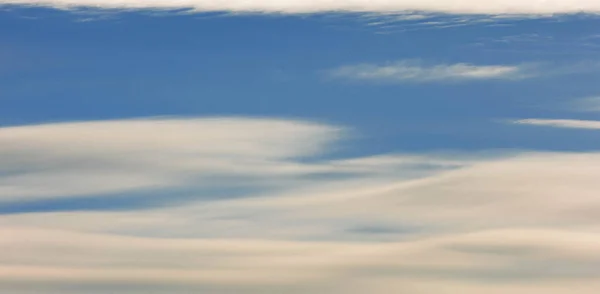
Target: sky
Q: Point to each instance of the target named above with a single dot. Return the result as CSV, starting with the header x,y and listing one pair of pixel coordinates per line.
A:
x,y
316,146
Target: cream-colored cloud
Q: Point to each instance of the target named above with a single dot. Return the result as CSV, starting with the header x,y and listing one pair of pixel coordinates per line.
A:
x,y
123,156
484,260
314,6
527,190
523,222
77,159
536,189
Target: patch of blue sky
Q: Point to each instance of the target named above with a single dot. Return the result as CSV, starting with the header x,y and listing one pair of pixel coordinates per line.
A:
x,y
133,64
137,200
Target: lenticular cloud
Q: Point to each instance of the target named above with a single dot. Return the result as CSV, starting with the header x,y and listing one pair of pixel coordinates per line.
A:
x,y
490,7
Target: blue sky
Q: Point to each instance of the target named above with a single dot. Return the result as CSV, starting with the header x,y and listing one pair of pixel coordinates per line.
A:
x,y
136,64
312,147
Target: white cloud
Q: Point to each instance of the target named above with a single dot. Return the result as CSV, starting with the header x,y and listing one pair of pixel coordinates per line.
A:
x,y
561,123
495,7
413,71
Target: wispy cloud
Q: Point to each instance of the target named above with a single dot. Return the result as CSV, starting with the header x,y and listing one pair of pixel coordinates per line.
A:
x,y
77,159
403,71
560,123
495,7
415,71
524,222
86,158
98,261
494,223
386,23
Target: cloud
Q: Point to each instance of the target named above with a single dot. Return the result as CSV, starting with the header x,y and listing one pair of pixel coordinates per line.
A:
x,y
149,156
524,222
526,190
413,71
485,260
561,123
86,158
495,7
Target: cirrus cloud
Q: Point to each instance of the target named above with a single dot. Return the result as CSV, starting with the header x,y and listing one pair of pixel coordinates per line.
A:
x,y
414,71
525,222
495,7
560,123
87,158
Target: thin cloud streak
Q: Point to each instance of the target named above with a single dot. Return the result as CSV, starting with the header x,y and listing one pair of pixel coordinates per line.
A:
x,y
414,71
417,71
561,123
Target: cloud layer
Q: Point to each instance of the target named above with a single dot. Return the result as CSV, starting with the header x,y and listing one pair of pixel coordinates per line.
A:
x,y
493,7
428,223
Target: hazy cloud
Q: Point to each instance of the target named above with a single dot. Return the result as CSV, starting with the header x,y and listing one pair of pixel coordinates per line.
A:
x,y
561,123
86,158
504,7
478,223
109,157
414,71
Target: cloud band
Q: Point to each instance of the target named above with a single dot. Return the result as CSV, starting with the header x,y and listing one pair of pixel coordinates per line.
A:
x,y
494,7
